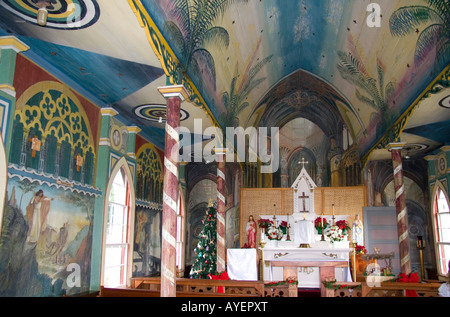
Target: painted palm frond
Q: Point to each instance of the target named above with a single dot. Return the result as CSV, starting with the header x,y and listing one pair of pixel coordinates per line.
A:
x,y
436,32
405,20
427,40
234,99
377,94
193,27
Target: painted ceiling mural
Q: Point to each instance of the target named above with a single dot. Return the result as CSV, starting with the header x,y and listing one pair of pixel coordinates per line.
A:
x,y
376,69
366,62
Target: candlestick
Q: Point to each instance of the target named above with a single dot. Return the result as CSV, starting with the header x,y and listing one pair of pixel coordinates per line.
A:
x,y
421,246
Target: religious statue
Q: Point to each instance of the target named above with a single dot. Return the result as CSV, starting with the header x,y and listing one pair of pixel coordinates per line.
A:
x,y
251,232
358,231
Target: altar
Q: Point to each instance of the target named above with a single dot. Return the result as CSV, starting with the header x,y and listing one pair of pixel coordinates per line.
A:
x,y
310,266
302,253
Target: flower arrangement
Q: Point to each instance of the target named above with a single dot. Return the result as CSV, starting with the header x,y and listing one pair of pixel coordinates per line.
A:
x,y
318,222
342,224
335,234
283,226
265,223
271,231
360,249
274,233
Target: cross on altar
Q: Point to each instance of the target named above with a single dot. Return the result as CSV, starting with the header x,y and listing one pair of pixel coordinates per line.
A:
x,y
304,204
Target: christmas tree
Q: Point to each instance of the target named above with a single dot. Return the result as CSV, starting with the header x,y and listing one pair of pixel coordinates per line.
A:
x,y
205,263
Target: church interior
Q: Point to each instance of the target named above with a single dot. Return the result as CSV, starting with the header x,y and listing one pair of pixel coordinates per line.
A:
x,y
246,148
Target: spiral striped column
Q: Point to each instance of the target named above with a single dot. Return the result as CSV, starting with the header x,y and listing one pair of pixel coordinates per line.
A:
x,y
221,192
174,96
400,204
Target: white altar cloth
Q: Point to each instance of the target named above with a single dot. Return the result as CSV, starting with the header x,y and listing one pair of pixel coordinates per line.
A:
x,y
304,232
242,265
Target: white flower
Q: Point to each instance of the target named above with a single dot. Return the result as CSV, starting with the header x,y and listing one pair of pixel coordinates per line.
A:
x,y
274,233
335,234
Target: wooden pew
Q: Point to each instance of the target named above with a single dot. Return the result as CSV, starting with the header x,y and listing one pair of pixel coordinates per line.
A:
x,y
133,292
383,289
397,289
127,292
204,286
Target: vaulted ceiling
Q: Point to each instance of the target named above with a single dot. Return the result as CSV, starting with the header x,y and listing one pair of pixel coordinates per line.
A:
x,y
380,69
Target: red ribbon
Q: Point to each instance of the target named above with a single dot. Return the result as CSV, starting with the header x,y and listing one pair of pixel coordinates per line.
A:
x,y
221,276
412,278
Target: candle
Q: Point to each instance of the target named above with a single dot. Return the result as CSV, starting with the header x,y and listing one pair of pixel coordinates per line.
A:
x,y
332,209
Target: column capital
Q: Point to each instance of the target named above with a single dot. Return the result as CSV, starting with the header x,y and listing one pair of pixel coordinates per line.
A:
x,y
134,129
174,91
395,146
11,42
108,112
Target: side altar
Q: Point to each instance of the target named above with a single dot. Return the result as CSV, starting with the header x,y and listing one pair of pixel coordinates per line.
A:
x,y
302,253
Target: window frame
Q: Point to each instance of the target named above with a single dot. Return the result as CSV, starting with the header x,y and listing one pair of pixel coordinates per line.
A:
x,y
130,205
442,263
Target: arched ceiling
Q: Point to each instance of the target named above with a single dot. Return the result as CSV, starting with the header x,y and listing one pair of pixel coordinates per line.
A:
x,y
251,59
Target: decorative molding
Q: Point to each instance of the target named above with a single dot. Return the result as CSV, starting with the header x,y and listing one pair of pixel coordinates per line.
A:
x,y
11,42
108,112
8,89
174,91
48,179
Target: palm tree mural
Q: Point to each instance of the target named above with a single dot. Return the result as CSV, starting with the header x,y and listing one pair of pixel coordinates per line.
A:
x,y
377,95
436,34
193,30
234,100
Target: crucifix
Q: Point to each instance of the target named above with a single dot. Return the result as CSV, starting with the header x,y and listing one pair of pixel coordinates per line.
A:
x,y
303,162
303,196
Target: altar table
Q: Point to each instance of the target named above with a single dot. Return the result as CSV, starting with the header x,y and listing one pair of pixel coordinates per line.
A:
x,y
309,266
326,269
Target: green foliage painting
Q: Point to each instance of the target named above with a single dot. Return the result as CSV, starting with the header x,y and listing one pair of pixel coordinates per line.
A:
x,y
434,33
377,94
193,29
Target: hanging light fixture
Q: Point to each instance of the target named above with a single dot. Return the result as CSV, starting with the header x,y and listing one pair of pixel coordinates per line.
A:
x,y
42,11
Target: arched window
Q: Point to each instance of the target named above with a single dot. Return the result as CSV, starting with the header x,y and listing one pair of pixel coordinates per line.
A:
x,y
442,229
118,229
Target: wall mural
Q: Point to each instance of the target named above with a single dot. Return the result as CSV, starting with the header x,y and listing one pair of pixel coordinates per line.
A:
x,y
47,230
147,242
148,215
45,248
51,134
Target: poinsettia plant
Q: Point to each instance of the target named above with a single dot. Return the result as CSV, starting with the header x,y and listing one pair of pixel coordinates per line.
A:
x,y
342,224
318,223
265,223
360,249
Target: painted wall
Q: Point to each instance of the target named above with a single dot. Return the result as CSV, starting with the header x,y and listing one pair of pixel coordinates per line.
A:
x,y
63,148
47,229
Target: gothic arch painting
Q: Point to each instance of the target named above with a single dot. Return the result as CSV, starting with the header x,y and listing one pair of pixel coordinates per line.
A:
x,y
51,134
